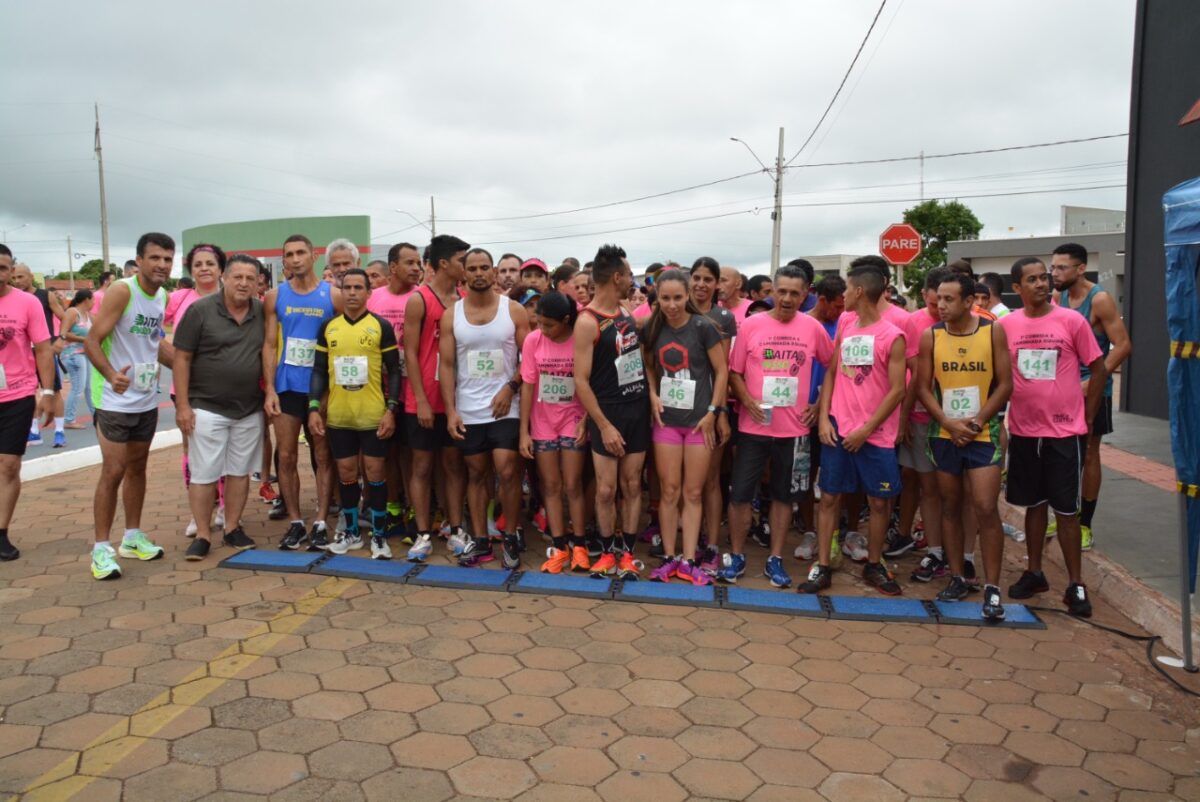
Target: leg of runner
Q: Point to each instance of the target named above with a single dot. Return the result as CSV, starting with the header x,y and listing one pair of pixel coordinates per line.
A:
x,y
713,497
349,496
631,492
287,446
133,486
573,465
112,470
375,470
696,461
550,470
1069,540
1036,518
668,465
10,491
606,512
950,490
319,446
1091,483
478,492
508,466
984,485
455,478
421,488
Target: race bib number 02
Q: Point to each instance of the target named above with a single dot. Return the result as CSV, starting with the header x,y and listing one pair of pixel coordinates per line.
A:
x,y
678,393
859,350
780,391
299,352
485,364
556,389
961,402
1038,364
145,376
350,371
629,368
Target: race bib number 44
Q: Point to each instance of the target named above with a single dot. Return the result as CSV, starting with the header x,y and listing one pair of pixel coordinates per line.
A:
x,y
780,391
1038,364
350,371
556,389
858,350
485,364
299,352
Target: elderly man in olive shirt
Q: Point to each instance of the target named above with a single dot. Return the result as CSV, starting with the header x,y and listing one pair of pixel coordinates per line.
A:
x,y
219,398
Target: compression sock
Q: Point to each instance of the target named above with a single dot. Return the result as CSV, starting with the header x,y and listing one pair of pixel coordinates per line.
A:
x,y
349,494
1087,510
377,502
608,543
628,542
562,543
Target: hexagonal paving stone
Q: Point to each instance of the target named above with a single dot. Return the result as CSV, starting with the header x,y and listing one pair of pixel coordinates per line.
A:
x,y
910,742
851,755
1127,771
402,697
452,718
175,781
48,709
213,747
717,778
658,693
782,767
471,690
640,753
263,772
251,713
715,742
73,733
431,750
349,760
591,732
170,721
1044,749
329,705
592,701
572,766
532,710
492,777
510,741
1070,783
298,735
926,777
629,785
408,784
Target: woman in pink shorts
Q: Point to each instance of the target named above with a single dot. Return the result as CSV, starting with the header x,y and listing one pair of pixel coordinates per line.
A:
x,y
552,427
687,371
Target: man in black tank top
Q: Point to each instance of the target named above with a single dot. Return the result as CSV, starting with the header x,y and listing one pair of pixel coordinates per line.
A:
x,y
611,384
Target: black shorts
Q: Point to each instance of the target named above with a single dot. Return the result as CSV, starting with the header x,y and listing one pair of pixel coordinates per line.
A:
x,y
423,439
400,435
127,427
788,458
502,434
733,427
1102,424
294,405
15,417
631,420
1046,469
346,443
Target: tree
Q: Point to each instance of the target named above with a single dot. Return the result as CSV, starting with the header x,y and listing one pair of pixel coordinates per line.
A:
x,y
91,269
939,224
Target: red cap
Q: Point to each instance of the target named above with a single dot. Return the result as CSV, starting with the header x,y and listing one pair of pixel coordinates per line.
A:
x,y
538,263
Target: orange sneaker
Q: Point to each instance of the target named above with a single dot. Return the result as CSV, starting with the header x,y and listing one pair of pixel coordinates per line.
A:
x,y
605,566
628,567
579,560
556,561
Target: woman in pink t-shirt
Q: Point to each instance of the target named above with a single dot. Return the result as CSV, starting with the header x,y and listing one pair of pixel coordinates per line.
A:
x,y
552,427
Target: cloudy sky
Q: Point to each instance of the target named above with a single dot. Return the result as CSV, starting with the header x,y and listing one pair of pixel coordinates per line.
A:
x,y
507,111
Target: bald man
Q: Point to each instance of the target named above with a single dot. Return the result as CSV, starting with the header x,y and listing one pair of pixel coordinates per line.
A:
x,y
731,286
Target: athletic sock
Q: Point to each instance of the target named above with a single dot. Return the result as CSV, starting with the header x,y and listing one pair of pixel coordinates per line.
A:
x,y
128,534
969,557
936,551
1086,512
377,501
394,509
349,494
561,543
58,424
628,542
608,544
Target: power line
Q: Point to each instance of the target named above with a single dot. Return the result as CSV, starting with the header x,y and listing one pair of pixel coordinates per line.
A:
x,y
957,197
620,230
928,156
841,85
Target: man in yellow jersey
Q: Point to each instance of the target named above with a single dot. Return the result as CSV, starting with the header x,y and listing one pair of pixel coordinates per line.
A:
x,y
352,350
964,379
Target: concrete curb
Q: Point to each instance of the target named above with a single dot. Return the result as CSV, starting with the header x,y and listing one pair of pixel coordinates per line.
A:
x,y
53,464
1148,608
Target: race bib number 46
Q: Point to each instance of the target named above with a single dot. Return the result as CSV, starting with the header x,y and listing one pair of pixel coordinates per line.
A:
x,y
780,391
678,393
299,352
858,350
556,389
1038,364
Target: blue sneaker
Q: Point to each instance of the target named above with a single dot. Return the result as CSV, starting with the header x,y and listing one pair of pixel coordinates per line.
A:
x,y
774,571
35,439
60,440
732,567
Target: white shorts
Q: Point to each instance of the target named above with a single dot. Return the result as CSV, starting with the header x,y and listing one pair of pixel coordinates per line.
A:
x,y
222,446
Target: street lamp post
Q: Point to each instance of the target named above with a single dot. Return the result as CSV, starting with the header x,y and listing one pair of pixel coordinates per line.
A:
x,y
5,232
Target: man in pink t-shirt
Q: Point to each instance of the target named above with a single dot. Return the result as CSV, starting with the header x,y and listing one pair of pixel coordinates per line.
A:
x,y
770,372
859,419
730,287
1049,420
25,357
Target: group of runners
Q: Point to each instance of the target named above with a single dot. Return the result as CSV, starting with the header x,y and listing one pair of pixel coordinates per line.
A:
x,y
443,379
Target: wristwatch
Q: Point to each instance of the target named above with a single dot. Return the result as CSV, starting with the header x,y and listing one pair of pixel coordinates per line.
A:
x,y
713,410
514,385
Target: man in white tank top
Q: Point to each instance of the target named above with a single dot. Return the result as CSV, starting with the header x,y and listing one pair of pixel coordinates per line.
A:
x,y
125,347
480,379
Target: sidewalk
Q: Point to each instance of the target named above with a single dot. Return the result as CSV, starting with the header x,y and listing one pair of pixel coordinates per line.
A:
x,y
185,681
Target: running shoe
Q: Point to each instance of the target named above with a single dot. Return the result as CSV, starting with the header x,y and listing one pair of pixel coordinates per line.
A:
x,y
690,572
557,560
278,510
318,537
580,560
774,572
219,519
708,560
761,534
104,562
476,553
820,577
1076,599
899,545
510,552
347,541
879,577
493,530
628,568
1052,527
958,589
421,549
807,549
457,544
294,537
1012,531
920,543
139,546
1028,585
267,493
993,609
666,571
35,439
1086,538
647,534
60,440
191,529
605,566
835,551
238,539
540,521
8,551
854,546
656,546
930,568
520,535
379,548
733,566
197,550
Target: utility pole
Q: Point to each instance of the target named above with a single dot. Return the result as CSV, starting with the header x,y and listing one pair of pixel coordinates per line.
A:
x,y
432,218
778,214
70,263
103,202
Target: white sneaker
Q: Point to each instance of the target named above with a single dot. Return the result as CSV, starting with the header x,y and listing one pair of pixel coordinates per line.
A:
x,y
808,546
854,546
219,519
346,542
192,529
379,548
420,550
1014,533
457,543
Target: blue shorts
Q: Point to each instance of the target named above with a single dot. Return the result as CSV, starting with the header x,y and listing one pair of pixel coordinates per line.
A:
x,y
951,459
872,469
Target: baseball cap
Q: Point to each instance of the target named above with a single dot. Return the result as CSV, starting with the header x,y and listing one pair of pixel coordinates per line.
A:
x,y
529,295
538,263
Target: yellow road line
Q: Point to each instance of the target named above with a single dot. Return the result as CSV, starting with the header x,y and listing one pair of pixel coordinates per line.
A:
x,y
82,768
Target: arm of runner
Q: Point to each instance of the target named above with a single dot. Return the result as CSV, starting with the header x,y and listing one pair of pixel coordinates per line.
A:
x,y
1106,309
650,367
1002,381
502,401
526,443
904,433
391,367
825,430
103,324
69,319
586,333
1095,389
718,431
414,319
56,307
166,353
43,355
270,331
318,384
448,350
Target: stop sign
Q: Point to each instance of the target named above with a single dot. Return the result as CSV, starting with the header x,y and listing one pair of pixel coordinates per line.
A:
x,y
899,244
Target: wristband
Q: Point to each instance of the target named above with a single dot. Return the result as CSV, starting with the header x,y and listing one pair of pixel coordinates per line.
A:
x,y
47,393
393,405
514,385
314,406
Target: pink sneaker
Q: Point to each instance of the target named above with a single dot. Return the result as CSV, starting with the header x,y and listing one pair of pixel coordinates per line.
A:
x,y
647,534
692,573
666,571
708,559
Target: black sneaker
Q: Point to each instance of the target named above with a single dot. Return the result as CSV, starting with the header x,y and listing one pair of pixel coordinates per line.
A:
x,y
520,534
899,545
930,568
656,547
820,577
993,610
394,526
278,510
969,573
879,577
238,539
294,538
1029,584
7,550
510,552
197,550
1076,599
318,537
761,534
957,590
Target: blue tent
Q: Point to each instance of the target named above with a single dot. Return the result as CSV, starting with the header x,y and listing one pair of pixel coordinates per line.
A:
x,y
1181,212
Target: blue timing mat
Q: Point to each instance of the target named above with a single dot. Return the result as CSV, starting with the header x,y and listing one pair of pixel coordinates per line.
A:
x,y
365,568
451,576
563,585
874,608
1016,616
664,593
291,562
770,601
